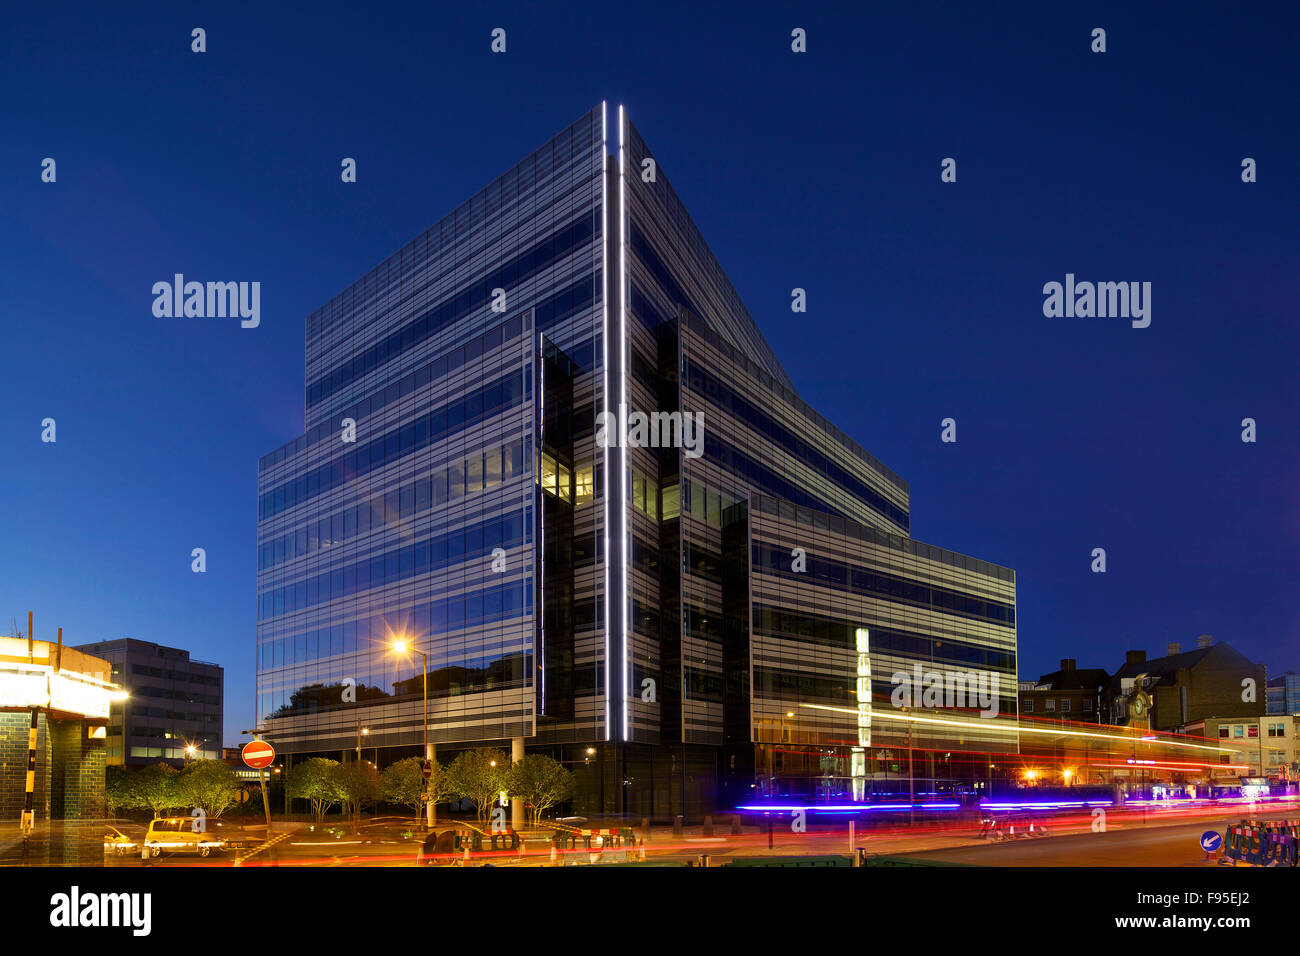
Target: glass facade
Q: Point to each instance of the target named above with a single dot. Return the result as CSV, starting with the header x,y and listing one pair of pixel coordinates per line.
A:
x,y
630,610
411,507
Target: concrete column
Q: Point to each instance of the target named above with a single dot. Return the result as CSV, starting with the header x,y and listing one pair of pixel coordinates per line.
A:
x,y
430,754
516,805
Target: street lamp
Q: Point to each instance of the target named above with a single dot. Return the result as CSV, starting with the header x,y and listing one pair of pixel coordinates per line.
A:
x,y
400,646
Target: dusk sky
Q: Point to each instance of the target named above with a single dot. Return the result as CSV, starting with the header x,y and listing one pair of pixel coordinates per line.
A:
x,y
818,170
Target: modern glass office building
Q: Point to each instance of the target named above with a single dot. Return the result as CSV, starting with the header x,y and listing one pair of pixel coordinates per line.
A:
x,y
687,623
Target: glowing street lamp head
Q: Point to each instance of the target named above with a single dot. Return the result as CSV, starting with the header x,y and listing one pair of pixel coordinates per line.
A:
x,y
190,750
400,646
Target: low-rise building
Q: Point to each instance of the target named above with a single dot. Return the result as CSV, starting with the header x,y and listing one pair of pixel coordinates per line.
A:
x,y
1264,746
1169,692
63,695
174,708
1065,694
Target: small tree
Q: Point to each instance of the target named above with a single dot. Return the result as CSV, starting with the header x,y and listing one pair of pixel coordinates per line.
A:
x,y
358,785
479,776
440,788
315,781
210,785
541,782
154,787
402,783
120,790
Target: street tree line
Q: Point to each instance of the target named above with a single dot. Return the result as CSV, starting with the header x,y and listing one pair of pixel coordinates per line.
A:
x,y
207,785
479,776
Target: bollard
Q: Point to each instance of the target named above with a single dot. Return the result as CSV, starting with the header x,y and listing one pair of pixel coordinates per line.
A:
x,y
677,825
555,855
703,860
708,826
852,841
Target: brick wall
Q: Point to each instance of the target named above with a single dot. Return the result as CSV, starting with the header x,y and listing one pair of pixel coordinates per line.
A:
x,y
76,772
69,769
13,765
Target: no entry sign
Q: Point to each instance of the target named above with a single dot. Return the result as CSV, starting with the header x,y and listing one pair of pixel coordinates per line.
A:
x,y
258,754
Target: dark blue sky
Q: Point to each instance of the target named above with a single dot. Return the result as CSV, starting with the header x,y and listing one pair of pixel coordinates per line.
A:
x,y
818,170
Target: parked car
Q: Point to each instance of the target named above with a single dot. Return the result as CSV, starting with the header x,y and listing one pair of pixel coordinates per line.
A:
x,y
177,834
117,842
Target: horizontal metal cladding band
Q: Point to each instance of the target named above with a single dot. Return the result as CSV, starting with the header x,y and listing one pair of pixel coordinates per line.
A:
x,y
432,427
459,305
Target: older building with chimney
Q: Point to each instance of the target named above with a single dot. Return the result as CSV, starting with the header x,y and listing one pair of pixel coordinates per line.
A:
x,y
1167,693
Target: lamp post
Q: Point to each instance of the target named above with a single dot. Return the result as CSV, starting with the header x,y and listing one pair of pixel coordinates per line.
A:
x,y
400,646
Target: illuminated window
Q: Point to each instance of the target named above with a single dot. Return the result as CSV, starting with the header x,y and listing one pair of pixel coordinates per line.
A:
x,y
548,474
585,486
1029,707
638,491
671,502
564,482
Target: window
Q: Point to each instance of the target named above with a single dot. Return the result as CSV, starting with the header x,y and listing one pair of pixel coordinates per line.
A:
x,y
1223,732
1087,705
1049,705
1275,730
1065,706
1029,707
1252,731
671,502
1237,731
585,491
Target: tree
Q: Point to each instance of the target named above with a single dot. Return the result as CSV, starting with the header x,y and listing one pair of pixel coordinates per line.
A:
x,y
479,776
358,785
315,781
541,782
120,790
155,787
210,785
403,783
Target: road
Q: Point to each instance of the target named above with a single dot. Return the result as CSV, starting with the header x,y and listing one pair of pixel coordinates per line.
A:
x,y
1129,840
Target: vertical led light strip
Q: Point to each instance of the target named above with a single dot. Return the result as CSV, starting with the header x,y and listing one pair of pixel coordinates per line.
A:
x,y
535,339
604,274
858,756
622,408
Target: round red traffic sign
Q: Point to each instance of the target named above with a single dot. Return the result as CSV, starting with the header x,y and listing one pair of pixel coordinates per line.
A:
x,y
427,769
258,754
